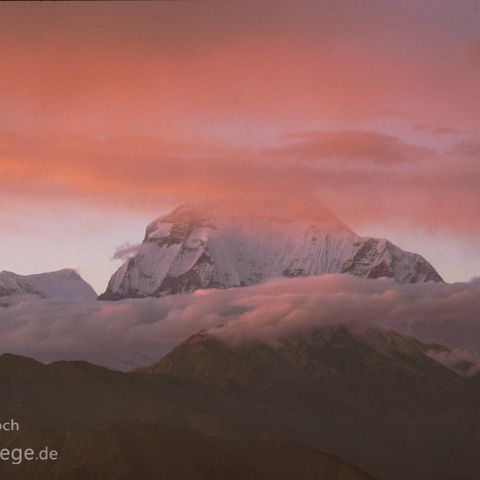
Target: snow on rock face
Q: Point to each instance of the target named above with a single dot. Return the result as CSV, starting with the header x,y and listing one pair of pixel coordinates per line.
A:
x,y
191,249
64,284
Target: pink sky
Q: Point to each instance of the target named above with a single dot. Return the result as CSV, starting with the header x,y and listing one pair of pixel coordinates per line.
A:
x,y
112,112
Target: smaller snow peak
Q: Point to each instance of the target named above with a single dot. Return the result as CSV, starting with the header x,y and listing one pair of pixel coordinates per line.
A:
x,y
63,274
7,273
62,284
68,273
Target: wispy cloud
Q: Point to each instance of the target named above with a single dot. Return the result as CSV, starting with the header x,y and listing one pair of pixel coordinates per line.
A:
x,y
125,251
436,130
350,145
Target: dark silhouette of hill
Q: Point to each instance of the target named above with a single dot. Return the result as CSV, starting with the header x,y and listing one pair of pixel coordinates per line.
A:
x,y
370,398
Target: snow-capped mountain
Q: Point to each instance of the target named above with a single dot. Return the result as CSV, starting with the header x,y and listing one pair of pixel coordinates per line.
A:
x,y
63,284
196,247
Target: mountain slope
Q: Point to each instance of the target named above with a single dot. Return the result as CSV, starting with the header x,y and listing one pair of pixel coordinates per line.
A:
x,y
373,398
63,284
210,357
203,247
132,451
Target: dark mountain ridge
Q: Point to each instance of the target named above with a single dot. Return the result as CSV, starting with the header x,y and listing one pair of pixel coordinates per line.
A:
x,y
373,398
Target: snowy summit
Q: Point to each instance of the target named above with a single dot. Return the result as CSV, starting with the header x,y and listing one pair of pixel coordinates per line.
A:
x,y
195,247
64,284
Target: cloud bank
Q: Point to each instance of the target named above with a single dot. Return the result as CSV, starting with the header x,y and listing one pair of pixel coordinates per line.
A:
x,y
136,104
132,333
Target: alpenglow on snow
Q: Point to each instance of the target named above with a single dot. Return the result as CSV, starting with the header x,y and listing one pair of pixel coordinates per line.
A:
x,y
195,247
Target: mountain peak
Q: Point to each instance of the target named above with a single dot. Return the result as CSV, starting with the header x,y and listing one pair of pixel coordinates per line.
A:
x,y
61,284
222,246
329,350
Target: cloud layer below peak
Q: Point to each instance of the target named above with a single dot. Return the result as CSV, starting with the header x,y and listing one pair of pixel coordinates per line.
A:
x,y
132,333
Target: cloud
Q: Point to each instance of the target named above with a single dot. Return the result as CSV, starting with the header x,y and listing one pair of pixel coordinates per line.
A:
x,y
149,103
436,130
469,148
138,332
126,250
350,145
200,67
142,172
460,360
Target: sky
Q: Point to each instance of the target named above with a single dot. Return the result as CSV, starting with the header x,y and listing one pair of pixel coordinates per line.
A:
x,y
113,113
